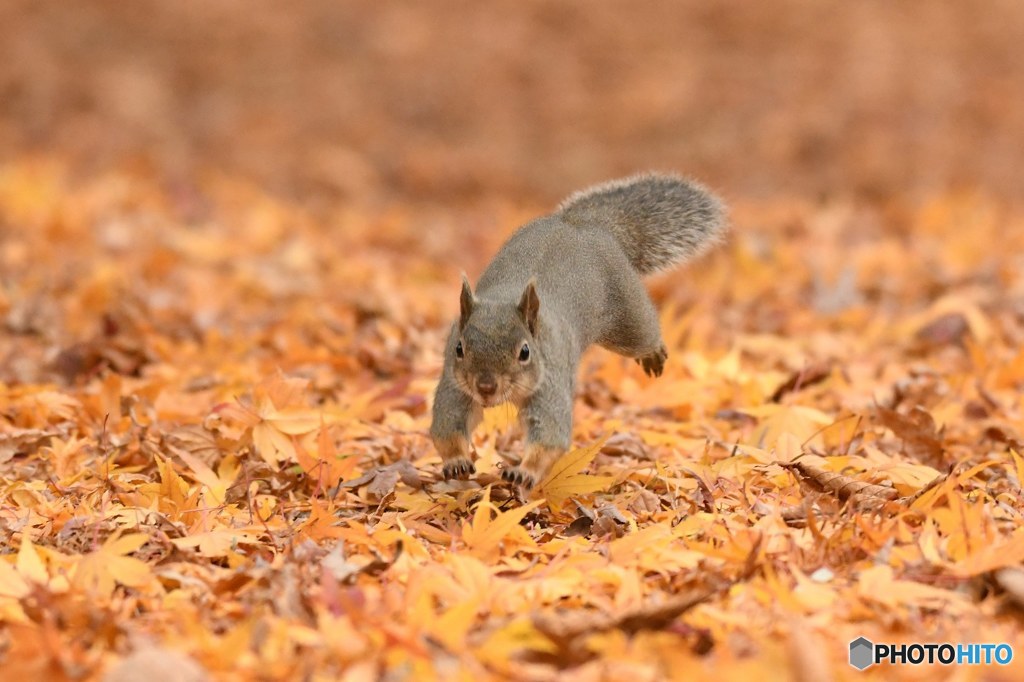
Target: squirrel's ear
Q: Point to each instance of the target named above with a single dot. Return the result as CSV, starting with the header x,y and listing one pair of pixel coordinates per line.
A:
x,y
466,301
529,305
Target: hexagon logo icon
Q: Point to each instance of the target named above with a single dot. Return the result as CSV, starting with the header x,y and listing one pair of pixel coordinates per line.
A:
x,y
861,653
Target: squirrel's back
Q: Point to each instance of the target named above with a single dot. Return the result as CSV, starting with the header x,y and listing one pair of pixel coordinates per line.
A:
x,y
658,220
575,272
587,258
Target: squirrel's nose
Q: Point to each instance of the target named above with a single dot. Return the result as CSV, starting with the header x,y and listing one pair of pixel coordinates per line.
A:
x,y
486,386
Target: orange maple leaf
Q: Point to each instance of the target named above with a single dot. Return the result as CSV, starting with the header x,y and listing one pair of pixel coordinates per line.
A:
x,y
565,478
275,418
101,570
485,534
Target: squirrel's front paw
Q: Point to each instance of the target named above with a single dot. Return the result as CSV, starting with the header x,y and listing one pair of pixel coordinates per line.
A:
x,y
654,363
519,476
460,468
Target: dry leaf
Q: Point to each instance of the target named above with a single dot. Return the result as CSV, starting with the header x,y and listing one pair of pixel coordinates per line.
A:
x,y
861,494
917,430
565,629
485,534
99,571
156,665
565,478
803,423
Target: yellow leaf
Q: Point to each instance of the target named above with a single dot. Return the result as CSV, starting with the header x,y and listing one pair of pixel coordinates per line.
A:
x,y
929,542
295,422
126,544
101,570
805,423
975,470
217,543
912,476
173,489
878,584
451,627
519,635
324,464
276,418
471,575
12,588
753,454
216,484
227,470
12,582
485,534
565,478
788,447
239,413
283,391
271,444
990,556
729,366
29,564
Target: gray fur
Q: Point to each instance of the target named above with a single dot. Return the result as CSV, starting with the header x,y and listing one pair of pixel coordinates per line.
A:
x,y
659,220
584,264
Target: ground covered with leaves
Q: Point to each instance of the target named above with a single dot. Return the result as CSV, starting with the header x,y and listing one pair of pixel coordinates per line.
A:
x,y
214,460
231,235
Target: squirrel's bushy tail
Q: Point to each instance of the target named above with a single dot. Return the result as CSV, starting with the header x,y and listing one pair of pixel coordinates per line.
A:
x,y
659,220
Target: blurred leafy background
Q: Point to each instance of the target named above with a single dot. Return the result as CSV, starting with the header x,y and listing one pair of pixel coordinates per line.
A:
x,y
441,100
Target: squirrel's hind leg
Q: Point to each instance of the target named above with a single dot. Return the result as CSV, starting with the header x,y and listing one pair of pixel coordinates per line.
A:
x,y
455,416
635,331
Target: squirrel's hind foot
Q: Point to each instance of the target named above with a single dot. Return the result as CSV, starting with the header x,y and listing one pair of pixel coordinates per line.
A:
x,y
459,468
654,364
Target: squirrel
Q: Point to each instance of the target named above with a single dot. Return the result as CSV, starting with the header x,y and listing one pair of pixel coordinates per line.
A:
x,y
561,283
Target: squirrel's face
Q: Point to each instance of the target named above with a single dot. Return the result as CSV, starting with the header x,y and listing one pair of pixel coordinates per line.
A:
x,y
493,350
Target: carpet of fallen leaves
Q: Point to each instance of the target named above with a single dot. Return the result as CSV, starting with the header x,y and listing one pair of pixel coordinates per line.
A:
x,y
213,451
231,235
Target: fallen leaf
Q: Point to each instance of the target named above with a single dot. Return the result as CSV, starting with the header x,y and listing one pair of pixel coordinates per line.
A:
x,y
102,569
565,478
863,495
917,429
156,665
485,534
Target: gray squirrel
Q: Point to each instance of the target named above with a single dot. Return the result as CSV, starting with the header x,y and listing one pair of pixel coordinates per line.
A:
x,y
559,284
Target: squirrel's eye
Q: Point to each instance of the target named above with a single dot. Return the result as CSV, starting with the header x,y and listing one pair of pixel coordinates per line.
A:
x,y
524,353
459,353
